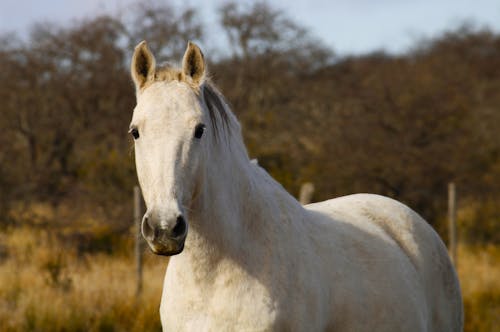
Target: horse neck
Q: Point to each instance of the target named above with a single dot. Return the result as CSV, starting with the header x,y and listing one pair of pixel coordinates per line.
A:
x,y
240,211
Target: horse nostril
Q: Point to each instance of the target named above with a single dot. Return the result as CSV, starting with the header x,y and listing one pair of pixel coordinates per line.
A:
x,y
147,230
180,227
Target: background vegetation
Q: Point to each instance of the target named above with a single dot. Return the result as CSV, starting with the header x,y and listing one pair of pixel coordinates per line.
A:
x,y
398,125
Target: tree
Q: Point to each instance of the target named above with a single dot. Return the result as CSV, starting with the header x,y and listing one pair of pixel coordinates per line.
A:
x,y
165,28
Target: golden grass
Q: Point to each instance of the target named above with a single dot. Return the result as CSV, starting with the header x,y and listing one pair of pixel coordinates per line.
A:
x,y
45,286
479,273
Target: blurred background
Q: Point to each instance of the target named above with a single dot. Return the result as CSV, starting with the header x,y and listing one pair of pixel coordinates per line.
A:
x,y
398,98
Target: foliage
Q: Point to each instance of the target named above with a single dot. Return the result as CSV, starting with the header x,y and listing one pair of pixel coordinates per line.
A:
x,y
401,126
479,222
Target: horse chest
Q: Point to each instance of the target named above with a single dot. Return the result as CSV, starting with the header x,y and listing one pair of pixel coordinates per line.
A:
x,y
225,305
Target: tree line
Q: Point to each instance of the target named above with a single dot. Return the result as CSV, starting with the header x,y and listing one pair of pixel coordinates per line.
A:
x,y
398,125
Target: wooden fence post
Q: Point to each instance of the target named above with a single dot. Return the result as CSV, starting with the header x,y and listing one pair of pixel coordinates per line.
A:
x,y
306,192
138,238
452,222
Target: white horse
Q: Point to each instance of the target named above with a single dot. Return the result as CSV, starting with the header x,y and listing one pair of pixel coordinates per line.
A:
x,y
254,259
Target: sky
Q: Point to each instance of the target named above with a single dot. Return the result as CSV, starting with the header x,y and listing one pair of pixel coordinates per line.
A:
x,y
347,26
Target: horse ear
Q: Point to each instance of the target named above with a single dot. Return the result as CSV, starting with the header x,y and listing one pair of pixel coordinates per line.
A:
x,y
193,64
143,65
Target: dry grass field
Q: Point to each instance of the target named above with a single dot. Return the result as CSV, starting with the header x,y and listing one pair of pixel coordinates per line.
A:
x,y
47,286
479,272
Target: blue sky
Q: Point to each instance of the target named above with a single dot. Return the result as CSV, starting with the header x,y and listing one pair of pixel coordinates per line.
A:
x,y
348,27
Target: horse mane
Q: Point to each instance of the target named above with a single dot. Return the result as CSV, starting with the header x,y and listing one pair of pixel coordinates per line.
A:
x,y
218,110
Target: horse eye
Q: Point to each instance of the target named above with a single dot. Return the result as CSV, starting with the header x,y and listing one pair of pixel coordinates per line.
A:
x,y
198,131
135,133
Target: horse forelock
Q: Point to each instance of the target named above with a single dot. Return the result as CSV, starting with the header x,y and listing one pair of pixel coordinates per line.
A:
x,y
168,73
213,99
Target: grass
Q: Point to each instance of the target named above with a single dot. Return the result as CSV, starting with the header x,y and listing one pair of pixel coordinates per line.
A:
x,y
479,273
46,285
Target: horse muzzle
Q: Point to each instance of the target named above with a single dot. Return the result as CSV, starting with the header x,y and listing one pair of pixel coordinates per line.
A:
x,y
165,237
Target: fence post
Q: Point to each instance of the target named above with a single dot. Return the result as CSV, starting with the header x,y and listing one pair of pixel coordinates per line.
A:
x,y
138,238
452,221
306,192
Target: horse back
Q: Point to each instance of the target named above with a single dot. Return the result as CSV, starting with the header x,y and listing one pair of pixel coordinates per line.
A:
x,y
381,237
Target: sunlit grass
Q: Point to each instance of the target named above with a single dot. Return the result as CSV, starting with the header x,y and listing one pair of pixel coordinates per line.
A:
x,y
46,286
479,273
